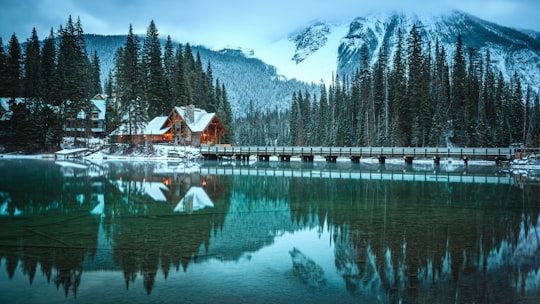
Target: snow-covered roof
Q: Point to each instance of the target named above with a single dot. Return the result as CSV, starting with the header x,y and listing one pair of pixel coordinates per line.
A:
x,y
195,199
200,121
101,107
154,190
98,105
154,127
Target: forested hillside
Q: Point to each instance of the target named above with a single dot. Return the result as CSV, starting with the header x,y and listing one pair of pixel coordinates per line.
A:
x,y
419,98
248,80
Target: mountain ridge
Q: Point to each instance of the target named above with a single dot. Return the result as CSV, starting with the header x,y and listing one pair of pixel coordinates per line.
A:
x,y
265,77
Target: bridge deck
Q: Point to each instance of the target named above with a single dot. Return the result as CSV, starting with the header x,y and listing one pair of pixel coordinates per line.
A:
x,y
330,153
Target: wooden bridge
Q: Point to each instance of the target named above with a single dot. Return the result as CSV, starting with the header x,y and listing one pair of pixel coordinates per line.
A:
x,y
331,154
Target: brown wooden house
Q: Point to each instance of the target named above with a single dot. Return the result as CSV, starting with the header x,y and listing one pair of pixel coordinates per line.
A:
x,y
184,125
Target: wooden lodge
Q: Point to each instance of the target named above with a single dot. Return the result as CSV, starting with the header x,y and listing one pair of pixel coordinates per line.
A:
x,y
185,125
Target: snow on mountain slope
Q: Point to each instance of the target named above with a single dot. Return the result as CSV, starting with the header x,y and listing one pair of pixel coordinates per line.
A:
x,y
324,49
294,57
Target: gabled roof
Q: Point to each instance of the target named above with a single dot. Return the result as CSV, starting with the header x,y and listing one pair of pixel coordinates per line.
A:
x,y
195,199
201,118
99,104
157,126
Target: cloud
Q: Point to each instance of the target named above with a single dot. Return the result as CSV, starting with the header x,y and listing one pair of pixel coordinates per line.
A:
x,y
238,22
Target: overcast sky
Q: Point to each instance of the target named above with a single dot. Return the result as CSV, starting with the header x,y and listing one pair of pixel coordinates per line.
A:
x,y
217,23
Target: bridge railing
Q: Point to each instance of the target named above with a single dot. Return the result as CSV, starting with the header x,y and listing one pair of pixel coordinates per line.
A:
x,y
485,153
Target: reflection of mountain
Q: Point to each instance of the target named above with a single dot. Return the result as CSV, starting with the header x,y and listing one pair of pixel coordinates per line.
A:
x,y
307,270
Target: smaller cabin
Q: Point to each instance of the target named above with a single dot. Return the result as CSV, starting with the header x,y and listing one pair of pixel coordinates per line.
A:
x,y
75,122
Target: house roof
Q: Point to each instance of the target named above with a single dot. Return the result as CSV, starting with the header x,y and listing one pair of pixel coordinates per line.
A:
x,y
201,118
100,106
157,126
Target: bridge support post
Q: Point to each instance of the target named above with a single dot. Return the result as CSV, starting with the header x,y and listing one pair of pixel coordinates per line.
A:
x,y
355,159
436,160
331,159
264,157
307,158
382,159
408,159
285,158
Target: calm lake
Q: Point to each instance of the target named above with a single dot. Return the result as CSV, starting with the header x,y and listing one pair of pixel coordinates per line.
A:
x,y
139,232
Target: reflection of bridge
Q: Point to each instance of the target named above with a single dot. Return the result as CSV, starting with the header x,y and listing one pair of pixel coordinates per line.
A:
x,y
355,153
423,176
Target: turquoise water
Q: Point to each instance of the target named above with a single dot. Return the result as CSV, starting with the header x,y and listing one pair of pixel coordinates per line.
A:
x,y
266,233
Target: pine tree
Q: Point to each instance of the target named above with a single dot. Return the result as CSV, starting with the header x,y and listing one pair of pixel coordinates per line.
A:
x,y
181,86
533,136
153,74
211,104
31,80
225,115
397,89
131,83
517,112
3,68
95,77
323,124
13,69
489,117
380,96
503,108
169,62
294,120
416,94
461,107
49,86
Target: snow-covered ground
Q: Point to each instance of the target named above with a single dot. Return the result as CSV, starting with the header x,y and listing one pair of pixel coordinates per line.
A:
x,y
529,166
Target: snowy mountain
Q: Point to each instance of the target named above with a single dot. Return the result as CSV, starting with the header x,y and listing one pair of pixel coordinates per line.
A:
x,y
335,48
267,75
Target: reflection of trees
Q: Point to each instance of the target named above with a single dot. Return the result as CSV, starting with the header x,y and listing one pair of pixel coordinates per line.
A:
x,y
42,178
407,236
58,243
147,234
63,232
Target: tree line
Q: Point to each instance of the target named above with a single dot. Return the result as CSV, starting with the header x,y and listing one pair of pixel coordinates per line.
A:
x,y
48,84
148,83
44,83
418,98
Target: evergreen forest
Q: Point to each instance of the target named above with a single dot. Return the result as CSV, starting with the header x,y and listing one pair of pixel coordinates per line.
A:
x,y
48,84
419,97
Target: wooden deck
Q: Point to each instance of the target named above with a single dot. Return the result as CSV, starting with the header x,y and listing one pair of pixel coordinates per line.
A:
x,y
307,154
71,153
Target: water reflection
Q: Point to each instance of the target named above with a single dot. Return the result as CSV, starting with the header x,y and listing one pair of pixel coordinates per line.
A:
x,y
359,232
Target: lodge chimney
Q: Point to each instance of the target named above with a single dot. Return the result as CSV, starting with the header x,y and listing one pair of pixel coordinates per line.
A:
x,y
190,113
